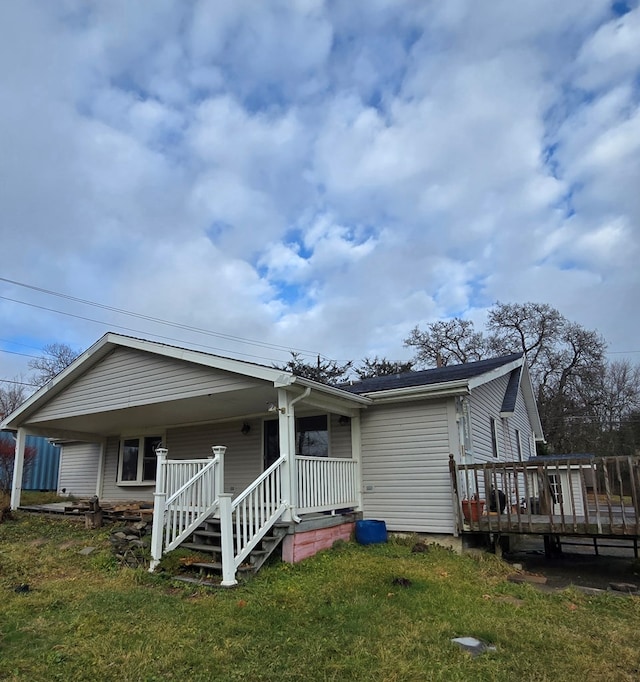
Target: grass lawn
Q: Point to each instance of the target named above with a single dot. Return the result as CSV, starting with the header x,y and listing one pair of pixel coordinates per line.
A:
x,y
336,616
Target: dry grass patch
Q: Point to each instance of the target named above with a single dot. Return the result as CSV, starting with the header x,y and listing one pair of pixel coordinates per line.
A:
x,y
353,613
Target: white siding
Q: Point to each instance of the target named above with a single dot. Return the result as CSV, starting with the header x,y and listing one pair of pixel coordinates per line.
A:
x,y
485,402
127,377
79,469
340,435
405,466
243,459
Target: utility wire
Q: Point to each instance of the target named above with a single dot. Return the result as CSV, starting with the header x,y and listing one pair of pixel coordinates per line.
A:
x,y
149,318
129,329
19,383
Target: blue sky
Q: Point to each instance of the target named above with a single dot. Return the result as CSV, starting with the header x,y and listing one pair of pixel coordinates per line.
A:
x,y
316,175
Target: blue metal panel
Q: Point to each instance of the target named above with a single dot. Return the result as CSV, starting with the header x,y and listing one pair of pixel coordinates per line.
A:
x,y
42,474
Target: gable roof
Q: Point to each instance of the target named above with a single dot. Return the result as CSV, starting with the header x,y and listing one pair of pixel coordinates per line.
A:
x,y
105,345
457,380
429,377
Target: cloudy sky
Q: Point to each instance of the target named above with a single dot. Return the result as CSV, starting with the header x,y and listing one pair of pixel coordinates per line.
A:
x,y
316,175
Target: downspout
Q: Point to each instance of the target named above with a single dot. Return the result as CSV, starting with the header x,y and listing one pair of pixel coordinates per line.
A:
x,y
292,450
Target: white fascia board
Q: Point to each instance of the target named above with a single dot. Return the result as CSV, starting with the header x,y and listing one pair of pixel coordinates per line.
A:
x,y
196,357
332,391
531,403
495,373
98,350
440,390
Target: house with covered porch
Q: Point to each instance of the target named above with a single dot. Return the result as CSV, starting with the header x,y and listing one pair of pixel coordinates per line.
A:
x,y
255,447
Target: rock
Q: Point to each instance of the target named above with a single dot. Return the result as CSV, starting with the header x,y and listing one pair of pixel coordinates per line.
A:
x,y
474,646
527,578
629,588
87,550
419,547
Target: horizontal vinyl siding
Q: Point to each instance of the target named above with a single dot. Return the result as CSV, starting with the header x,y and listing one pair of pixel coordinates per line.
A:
x,y
485,402
405,457
243,459
128,377
79,464
340,435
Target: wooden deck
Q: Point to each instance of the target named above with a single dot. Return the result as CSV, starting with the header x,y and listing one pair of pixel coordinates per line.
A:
x,y
590,497
539,524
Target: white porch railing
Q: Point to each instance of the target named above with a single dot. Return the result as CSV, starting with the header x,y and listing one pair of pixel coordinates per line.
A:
x,y
326,484
251,515
187,492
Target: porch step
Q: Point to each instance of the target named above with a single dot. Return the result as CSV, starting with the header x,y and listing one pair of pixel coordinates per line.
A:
x,y
207,539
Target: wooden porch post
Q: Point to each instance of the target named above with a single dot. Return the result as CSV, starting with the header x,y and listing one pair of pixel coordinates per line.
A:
x,y
159,498
18,468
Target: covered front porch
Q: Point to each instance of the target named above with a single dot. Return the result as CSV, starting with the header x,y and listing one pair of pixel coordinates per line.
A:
x,y
200,436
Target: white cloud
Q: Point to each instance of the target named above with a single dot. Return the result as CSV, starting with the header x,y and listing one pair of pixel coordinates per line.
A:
x,y
317,176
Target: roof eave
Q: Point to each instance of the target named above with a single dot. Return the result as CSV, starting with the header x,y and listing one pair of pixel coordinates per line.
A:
x,y
440,390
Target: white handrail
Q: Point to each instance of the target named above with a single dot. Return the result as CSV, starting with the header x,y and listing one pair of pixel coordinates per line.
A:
x,y
254,512
190,505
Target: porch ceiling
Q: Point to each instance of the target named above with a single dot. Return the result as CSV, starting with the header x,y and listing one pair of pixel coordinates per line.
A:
x,y
206,408
237,404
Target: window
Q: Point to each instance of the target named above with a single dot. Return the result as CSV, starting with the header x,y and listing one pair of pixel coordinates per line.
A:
x,y
312,438
494,436
519,444
138,459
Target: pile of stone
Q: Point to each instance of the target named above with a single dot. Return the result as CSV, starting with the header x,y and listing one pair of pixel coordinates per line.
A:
x,y
131,544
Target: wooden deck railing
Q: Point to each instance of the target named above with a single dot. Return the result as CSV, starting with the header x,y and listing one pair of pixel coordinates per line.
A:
x,y
562,496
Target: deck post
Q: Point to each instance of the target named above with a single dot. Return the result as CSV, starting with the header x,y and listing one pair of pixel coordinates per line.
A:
x,y
18,468
226,531
159,499
457,507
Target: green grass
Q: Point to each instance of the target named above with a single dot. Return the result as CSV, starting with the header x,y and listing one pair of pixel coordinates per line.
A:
x,y
336,616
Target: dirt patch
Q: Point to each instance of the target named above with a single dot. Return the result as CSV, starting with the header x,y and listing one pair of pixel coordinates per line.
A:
x,y
578,565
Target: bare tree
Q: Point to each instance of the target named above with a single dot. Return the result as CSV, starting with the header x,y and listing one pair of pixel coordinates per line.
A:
x,y
12,395
56,356
567,362
324,371
374,367
533,328
447,342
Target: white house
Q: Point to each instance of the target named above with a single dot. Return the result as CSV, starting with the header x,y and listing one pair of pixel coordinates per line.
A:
x,y
138,420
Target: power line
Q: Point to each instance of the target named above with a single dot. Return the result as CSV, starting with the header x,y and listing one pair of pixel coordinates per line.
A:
x,y
19,383
149,318
129,329
13,352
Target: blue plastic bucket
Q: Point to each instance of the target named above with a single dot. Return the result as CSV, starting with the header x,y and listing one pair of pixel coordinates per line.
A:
x,y
371,532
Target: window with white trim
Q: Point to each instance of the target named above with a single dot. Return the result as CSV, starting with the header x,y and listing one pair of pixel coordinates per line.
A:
x,y
137,461
519,444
